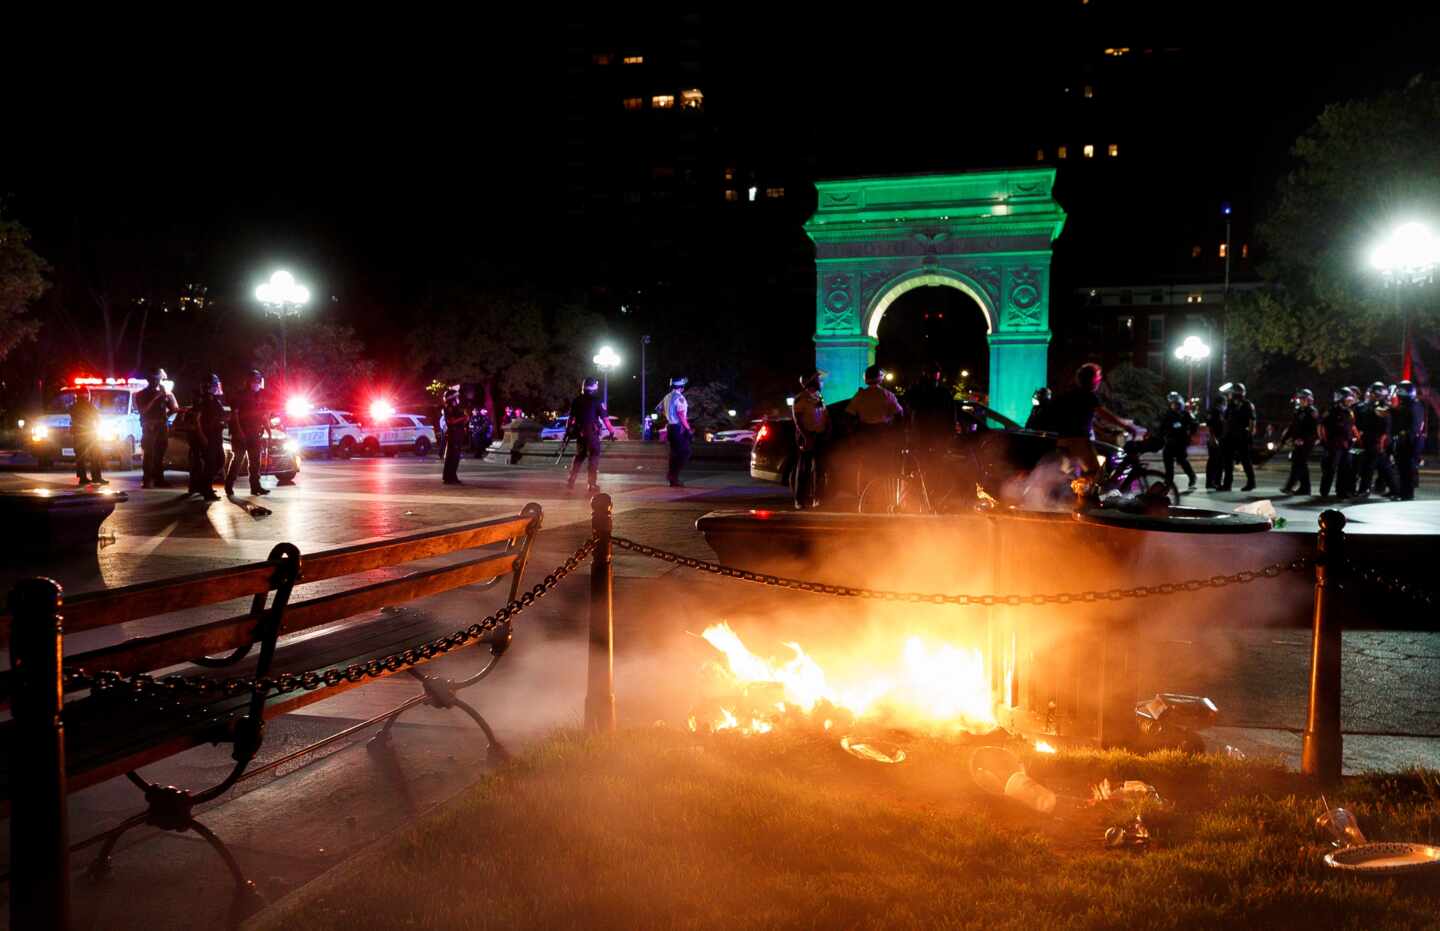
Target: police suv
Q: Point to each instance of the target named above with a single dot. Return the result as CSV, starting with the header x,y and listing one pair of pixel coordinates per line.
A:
x,y
396,433
325,431
48,436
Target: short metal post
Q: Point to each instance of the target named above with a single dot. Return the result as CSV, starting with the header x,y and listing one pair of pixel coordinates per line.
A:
x,y
600,696
1323,749
39,841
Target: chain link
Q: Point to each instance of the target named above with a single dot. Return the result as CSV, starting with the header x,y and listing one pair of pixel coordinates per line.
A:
x,y
175,686
1390,584
844,591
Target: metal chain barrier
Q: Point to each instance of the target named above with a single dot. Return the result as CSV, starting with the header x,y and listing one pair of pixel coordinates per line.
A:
x,y
844,591
174,686
1392,585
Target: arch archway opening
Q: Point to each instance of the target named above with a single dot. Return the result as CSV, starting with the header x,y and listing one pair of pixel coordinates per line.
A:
x,y
934,323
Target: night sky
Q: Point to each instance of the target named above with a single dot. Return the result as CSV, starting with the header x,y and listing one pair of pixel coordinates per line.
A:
x,y
377,157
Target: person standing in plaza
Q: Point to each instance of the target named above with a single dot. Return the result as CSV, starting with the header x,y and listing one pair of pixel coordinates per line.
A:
x,y
812,431
1215,443
1337,435
457,424
588,419
1408,429
1175,429
1372,418
1303,431
250,412
677,429
482,431
85,433
207,439
1239,438
156,403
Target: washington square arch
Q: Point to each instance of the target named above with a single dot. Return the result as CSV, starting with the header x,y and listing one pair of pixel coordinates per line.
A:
x,y
987,233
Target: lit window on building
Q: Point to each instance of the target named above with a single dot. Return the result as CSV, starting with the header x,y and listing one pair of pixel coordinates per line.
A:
x,y
1126,325
1245,250
634,103
732,195
774,193
1114,150
600,58
662,101
1088,151
751,192
1062,151
1223,250
692,99
1117,52
1039,155
1089,91
634,59
730,173
1195,252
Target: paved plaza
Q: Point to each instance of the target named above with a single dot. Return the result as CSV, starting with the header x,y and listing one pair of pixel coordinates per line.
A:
x,y
289,827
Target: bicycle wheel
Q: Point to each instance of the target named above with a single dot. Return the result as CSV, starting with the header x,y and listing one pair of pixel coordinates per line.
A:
x,y
881,495
1141,480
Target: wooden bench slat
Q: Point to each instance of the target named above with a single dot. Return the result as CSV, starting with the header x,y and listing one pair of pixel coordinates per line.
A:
x,y
366,556
167,649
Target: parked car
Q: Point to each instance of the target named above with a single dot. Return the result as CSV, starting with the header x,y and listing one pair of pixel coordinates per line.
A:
x,y
746,435
48,436
325,432
555,430
398,433
280,457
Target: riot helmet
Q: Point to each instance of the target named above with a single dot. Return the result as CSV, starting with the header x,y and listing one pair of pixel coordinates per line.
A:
x,y
1341,395
257,378
212,384
1405,389
1238,389
1042,396
1304,397
814,380
590,385
679,381
1378,390
1174,400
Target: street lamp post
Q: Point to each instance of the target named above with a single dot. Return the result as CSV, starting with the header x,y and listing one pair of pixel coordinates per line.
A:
x,y
1408,256
1192,352
283,298
605,360
644,411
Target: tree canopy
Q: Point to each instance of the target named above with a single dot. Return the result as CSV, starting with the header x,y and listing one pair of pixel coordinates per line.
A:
x,y
327,359
1364,167
22,280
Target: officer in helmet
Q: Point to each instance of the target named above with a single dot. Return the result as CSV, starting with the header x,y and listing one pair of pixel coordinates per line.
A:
x,y
1407,427
1303,430
156,403
457,425
588,419
1337,436
1039,418
207,438
1175,428
1215,440
250,411
676,411
1372,419
1239,437
812,433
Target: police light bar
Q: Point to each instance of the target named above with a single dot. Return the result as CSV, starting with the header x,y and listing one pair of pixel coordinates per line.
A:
x,y
79,380
380,410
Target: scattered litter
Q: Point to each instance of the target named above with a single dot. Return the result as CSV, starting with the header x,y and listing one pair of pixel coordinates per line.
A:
x,y
1262,508
1167,709
1129,790
1234,753
1342,826
870,752
1030,793
1133,833
999,772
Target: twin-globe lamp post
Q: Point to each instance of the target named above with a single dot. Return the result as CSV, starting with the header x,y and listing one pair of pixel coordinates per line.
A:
x,y
1192,352
1408,256
283,298
605,360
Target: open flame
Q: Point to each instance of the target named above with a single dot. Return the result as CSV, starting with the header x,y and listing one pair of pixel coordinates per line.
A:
x,y
940,688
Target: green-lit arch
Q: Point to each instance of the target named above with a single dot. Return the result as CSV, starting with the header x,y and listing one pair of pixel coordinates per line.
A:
x,y
924,278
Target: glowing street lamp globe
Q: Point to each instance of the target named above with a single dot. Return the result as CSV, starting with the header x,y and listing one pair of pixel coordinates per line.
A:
x,y
281,295
1409,254
606,359
1193,350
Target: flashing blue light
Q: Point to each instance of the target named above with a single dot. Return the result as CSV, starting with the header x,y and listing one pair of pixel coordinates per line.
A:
x,y
1225,208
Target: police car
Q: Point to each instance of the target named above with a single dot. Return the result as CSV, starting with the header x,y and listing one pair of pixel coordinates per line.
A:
x,y
324,430
394,433
48,437
555,430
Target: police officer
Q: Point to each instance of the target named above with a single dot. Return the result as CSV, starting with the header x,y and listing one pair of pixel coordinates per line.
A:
x,y
1372,418
1175,428
1337,435
207,438
1239,434
1303,431
1407,427
156,403
457,424
677,429
482,431
250,411
812,433
1215,464
1039,418
85,430
588,419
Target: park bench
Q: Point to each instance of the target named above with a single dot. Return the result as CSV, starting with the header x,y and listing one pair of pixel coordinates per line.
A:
x,y
148,697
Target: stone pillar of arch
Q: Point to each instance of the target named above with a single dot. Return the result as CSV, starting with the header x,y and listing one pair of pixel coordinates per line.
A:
x,y
986,233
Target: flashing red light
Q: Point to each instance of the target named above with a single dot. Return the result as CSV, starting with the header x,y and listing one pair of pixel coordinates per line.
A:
x,y
297,406
109,382
381,410
763,432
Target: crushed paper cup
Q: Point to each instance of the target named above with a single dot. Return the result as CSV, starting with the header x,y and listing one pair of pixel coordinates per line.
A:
x,y
1262,508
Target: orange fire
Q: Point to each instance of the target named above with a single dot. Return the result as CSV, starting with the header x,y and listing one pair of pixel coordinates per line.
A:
x,y
939,689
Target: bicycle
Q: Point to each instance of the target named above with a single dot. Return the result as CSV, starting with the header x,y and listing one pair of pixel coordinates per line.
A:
x,y
910,490
1126,473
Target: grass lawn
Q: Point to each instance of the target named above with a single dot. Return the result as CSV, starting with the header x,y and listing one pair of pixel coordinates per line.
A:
x,y
660,829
